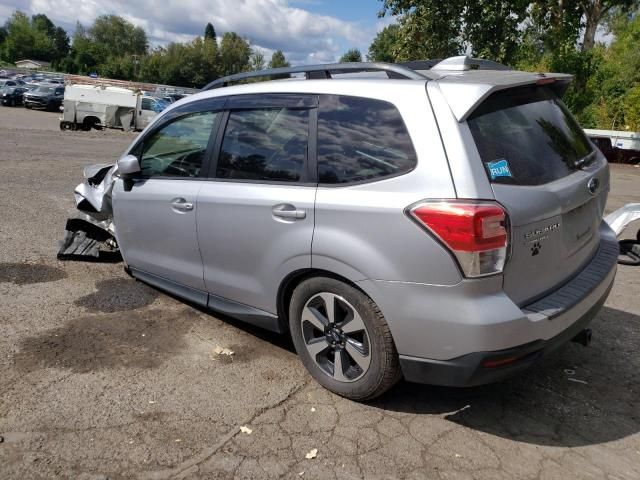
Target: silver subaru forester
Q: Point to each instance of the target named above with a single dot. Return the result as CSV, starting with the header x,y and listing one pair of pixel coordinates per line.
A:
x,y
439,224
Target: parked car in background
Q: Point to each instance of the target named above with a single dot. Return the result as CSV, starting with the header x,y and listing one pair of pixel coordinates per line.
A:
x,y
12,96
6,82
47,97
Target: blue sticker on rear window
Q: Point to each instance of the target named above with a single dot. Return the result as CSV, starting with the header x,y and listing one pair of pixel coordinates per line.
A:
x,y
499,168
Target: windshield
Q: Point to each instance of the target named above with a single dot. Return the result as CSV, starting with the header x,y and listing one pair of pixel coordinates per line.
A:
x,y
45,89
160,105
526,136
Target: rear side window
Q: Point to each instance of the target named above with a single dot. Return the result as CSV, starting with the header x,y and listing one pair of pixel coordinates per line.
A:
x,y
526,136
360,139
268,144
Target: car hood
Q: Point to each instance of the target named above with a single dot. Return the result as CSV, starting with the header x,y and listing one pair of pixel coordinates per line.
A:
x,y
38,94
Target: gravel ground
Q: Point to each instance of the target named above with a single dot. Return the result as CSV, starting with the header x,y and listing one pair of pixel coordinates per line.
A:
x,y
104,377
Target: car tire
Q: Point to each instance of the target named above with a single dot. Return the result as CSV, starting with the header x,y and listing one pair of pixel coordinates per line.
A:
x,y
352,333
26,105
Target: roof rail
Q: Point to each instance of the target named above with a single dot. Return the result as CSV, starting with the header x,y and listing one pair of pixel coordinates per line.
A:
x,y
421,64
463,63
322,71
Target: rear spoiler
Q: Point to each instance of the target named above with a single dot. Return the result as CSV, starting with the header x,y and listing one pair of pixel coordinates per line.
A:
x,y
465,94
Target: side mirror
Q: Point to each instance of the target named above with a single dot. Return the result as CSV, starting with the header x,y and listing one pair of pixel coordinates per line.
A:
x,y
128,165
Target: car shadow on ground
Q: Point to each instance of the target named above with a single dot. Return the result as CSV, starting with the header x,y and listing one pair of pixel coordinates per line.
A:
x,y
577,396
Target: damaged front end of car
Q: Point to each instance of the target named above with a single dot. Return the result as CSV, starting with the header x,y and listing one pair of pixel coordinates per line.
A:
x,y
90,233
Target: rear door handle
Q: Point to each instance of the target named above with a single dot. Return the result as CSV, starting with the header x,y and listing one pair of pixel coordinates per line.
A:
x,y
181,205
288,211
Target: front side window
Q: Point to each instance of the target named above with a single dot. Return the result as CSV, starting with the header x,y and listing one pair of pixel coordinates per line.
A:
x,y
267,144
147,104
178,149
526,136
361,139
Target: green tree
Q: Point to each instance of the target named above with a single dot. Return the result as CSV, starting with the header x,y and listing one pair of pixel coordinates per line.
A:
x,y
278,60
632,109
61,42
491,28
595,11
191,64
257,60
210,32
42,23
112,46
435,29
118,36
235,53
351,55
85,54
428,29
614,83
27,38
383,46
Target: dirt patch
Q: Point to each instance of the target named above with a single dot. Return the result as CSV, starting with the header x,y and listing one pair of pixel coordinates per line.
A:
x,y
116,295
131,340
28,273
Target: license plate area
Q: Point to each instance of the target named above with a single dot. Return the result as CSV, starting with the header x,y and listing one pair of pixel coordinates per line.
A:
x,y
580,226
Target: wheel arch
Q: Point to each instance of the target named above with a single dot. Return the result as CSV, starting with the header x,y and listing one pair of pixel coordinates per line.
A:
x,y
91,120
291,281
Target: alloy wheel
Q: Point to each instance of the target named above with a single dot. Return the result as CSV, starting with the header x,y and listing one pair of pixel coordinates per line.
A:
x,y
336,337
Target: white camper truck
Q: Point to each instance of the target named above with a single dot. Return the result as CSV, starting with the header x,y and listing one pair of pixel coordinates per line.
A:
x,y
95,106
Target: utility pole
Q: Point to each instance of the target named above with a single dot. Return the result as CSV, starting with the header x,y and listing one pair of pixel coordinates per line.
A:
x,y
136,60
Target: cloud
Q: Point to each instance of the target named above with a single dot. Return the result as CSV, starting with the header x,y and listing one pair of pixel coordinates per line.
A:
x,y
269,24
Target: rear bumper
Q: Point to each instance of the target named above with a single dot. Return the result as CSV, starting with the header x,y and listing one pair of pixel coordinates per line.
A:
x,y
446,338
469,370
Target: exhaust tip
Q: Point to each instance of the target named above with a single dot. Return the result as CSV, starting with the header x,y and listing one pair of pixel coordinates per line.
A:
x,y
583,338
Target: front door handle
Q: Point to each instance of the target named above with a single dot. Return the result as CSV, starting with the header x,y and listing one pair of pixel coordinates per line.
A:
x,y
288,211
181,205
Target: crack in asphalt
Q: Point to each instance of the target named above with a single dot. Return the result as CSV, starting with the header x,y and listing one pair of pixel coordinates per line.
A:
x,y
189,465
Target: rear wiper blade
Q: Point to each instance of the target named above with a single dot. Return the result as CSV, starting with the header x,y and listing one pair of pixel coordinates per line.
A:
x,y
584,161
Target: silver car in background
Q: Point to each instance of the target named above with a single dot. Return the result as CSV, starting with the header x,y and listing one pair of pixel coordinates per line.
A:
x,y
443,225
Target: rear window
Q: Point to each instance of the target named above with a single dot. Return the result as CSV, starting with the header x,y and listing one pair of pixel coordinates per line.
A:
x,y
361,139
526,136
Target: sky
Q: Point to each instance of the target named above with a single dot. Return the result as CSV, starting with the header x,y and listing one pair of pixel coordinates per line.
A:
x,y
307,31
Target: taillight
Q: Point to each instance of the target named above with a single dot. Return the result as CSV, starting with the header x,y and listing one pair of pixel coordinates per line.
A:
x,y
474,232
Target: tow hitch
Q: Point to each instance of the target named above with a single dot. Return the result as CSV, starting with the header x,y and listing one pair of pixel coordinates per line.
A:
x,y
583,338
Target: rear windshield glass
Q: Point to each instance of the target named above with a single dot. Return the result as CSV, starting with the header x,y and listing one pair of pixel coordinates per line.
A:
x,y
526,136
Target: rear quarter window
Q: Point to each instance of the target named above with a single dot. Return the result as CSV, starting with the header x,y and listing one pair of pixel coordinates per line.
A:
x,y
361,139
526,136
